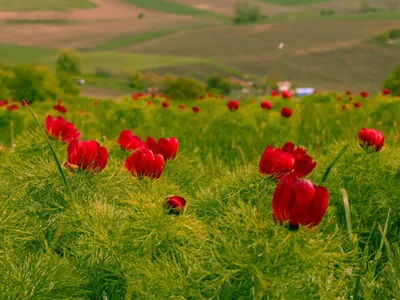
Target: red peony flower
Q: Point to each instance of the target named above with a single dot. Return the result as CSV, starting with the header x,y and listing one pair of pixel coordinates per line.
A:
x,y
165,104
274,93
148,102
357,104
153,95
266,105
175,204
344,106
129,142
371,138
276,162
385,92
339,98
3,102
62,130
59,107
364,94
181,106
348,93
143,163
200,97
286,112
136,96
87,155
286,94
232,105
299,202
195,109
95,103
12,107
168,148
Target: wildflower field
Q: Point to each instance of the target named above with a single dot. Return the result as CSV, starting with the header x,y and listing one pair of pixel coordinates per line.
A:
x,y
145,197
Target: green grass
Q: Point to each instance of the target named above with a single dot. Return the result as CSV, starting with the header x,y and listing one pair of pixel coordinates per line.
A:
x,y
115,240
44,22
35,5
304,16
293,2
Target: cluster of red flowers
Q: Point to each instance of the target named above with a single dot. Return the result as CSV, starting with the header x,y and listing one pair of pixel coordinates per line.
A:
x,y
298,201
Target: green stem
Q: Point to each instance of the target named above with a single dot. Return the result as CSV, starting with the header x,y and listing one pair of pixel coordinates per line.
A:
x,y
337,157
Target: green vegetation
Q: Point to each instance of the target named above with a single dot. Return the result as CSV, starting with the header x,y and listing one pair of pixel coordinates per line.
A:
x,y
41,21
389,35
35,5
182,88
246,13
69,62
392,82
113,238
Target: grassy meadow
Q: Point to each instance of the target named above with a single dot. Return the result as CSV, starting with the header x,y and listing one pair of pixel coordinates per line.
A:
x,y
37,5
112,238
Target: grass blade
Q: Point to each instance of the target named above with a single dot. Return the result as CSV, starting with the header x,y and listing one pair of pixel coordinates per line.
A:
x,y
337,157
60,170
347,213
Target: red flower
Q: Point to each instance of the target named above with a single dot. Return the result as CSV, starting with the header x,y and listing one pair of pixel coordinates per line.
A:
x,y
315,91
286,112
277,162
200,97
12,107
232,105
61,129
210,95
14,100
344,106
299,202
181,106
153,95
266,105
357,104
364,94
222,96
168,148
350,98
129,142
385,92
87,155
371,138
195,109
143,162
175,204
286,94
165,104
95,103
339,98
59,107
274,93
348,93
3,102
161,95
148,102
136,96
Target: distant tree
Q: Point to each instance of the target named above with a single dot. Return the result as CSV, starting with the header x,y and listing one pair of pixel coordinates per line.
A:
x,y
246,13
184,88
66,84
69,62
392,82
141,16
393,5
219,84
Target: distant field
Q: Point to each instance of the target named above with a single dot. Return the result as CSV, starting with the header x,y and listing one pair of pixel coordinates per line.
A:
x,y
36,5
293,2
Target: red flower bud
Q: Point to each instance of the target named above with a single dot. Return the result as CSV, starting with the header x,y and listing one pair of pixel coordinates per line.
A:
x,y
371,138
61,129
87,155
143,162
175,204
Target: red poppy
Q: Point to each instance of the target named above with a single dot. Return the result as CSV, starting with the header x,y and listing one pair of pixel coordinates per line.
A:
x,y
136,96
344,106
129,142
3,102
143,162
232,105
181,106
87,155
266,105
175,204
200,97
168,148
286,94
195,109
274,93
339,98
276,161
62,130
369,137
385,92
148,102
165,104
348,93
357,104
59,107
210,95
299,202
12,107
364,94
286,112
